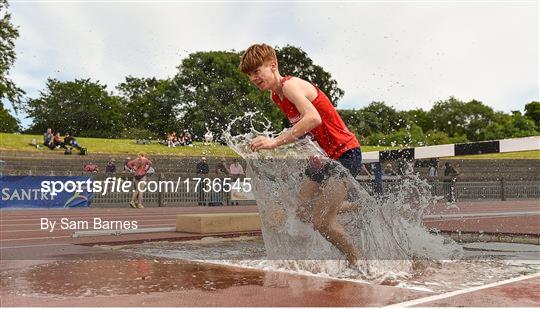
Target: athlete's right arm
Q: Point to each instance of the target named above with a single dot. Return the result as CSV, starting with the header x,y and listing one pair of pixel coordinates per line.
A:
x,y
295,92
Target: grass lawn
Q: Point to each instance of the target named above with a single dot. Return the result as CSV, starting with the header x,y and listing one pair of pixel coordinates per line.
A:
x,y
21,142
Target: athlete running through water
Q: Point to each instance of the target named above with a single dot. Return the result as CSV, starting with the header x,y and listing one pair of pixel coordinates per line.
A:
x,y
310,111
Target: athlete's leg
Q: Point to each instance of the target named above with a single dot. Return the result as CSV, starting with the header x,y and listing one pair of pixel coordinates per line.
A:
x,y
324,214
310,192
347,205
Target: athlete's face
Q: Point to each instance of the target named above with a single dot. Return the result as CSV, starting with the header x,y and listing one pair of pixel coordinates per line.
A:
x,y
263,76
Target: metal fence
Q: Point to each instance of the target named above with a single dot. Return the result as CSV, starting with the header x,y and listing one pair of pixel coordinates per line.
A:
x,y
461,190
183,195
457,191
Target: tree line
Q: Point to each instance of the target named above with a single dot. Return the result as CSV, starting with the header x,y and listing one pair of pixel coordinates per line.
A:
x,y
208,91
448,121
205,94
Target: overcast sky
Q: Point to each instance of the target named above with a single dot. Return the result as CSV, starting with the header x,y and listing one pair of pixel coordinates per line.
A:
x,y
408,54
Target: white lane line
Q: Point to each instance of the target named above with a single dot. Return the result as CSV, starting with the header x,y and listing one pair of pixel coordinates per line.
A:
x,y
164,216
483,209
442,213
32,238
427,299
102,218
22,212
483,214
31,246
126,212
471,218
2,231
154,230
128,216
123,232
40,230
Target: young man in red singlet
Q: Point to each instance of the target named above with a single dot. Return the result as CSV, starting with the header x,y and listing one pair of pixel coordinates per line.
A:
x,y
310,111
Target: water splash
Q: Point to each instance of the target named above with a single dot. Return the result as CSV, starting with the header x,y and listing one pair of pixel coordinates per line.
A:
x,y
387,231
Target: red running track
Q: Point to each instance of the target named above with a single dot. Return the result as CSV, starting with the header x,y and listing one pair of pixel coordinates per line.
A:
x,y
182,283
23,227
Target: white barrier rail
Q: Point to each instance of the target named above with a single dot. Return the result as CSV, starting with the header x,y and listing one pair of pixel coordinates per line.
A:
x,y
454,150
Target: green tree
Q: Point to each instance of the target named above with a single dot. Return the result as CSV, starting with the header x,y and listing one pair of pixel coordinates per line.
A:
x,y
150,105
477,117
420,118
213,91
457,118
508,126
376,118
411,136
447,116
8,35
532,110
381,118
437,138
354,121
8,123
81,107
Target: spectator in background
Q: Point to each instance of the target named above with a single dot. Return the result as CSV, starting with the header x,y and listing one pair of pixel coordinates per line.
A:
x,y
433,173
448,169
69,140
181,140
171,139
403,167
450,176
236,170
202,166
34,143
389,170
208,137
48,138
221,169
110,168
140,167
126,166
376,168
187,139
202,169
57,141
433,168
90,168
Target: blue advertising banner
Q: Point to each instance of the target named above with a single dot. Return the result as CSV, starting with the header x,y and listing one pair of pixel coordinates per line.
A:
x,y
26,192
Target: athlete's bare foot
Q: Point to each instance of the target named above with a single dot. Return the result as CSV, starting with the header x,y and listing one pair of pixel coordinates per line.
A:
x,y
352,258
